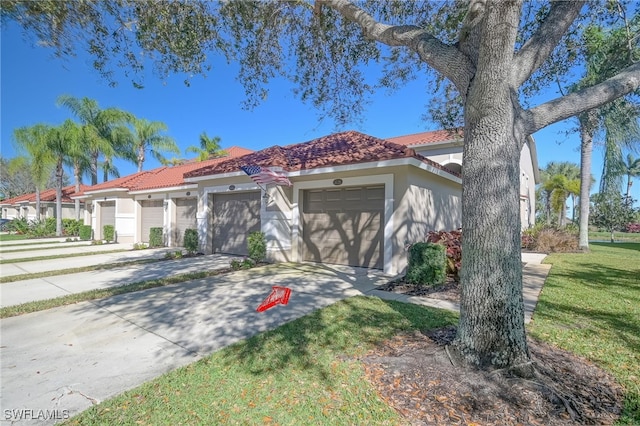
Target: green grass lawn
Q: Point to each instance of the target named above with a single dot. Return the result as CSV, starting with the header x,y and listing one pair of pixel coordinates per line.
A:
x,y
300,373
12,237
304,372
618,236
590,305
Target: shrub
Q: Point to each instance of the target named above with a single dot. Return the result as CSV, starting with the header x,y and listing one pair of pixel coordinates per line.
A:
x,y
257,245
245,263
547,239
108,232
19,225
633,227
555,241
139,246
42,228
85,232
191,241
427,264
71,227
452,241
155,237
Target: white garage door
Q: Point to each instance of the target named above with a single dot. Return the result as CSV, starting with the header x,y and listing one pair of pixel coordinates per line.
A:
x,y
234,217
344,226
152,217
185,218
107,213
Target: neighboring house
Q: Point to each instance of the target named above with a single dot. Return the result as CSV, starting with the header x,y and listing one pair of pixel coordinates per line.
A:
x,y
24,206
156,198
355,200
445,147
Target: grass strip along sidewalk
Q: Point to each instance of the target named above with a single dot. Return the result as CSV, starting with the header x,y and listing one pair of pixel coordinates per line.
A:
x,y
58,256
22,277
304,372
41,305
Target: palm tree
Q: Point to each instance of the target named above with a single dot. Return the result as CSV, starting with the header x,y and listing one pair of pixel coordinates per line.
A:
x,y
209,147
606,52
102,129
147,136
33,140
61,141
620,121
631,169
556,187
78,158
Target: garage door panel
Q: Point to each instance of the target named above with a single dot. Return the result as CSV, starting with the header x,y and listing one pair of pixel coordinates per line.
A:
x,y
344,226
235,216
152,217
186,209
107,213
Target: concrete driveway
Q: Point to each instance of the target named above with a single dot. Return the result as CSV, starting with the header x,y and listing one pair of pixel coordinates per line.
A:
x,y
66,359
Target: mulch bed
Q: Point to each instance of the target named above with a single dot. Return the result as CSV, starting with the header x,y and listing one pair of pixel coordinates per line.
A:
x,y
449,290
414,374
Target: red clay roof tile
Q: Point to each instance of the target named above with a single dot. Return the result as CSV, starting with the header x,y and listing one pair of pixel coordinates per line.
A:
x,y
427,137
344,148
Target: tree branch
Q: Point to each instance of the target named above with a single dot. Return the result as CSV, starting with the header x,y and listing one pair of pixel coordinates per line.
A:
x,y
567,106
538,48
446,59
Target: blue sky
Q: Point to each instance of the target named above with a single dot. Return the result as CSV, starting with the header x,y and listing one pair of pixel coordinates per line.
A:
x,y
32,79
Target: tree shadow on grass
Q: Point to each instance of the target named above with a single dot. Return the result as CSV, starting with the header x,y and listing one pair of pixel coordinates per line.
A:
x,y
343,329
628,246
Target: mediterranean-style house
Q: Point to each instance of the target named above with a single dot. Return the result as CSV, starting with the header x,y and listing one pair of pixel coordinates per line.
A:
x,y
24,206
355,199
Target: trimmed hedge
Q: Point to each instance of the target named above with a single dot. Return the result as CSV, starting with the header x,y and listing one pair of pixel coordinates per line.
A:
x,y
85,232
257,245
108,232
427,264
191,240
155,237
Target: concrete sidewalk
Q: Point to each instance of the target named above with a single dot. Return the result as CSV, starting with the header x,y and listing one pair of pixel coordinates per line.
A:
x,y
23,291
73,357
97,258
534,275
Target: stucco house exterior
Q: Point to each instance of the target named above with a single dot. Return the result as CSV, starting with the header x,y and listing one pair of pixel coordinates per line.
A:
x,y
136,203
445,147
24,206
355,199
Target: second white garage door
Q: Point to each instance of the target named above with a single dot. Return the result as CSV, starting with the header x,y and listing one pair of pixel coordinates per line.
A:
x,y
344,226
152,217
234,217
185,218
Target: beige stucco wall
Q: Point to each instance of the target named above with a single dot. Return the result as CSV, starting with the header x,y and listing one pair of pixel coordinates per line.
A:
x,y
424,202
527,189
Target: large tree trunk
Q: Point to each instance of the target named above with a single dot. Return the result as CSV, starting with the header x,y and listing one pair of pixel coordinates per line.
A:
x,y
491,330
38,211
94,168
587,122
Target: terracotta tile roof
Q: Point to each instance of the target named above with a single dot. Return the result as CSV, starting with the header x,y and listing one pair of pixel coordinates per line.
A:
x,y
427,137
333,150
126,182
163,177
48,195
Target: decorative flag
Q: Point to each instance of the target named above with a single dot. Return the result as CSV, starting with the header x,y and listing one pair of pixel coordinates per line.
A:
x,y
264,175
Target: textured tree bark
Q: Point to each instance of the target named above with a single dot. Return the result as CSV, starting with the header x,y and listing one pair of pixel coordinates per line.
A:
x,y
587,123
491,330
